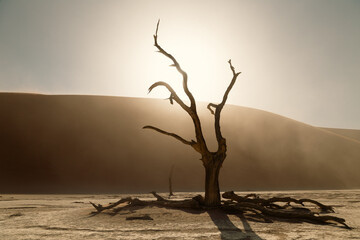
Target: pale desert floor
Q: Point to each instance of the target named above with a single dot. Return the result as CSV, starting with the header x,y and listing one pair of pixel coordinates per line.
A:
x,y
68,217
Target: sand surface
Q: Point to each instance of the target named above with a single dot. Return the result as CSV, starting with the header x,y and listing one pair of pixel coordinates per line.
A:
x,y
68,217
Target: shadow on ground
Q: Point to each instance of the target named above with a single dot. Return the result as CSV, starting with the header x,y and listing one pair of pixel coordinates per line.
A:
x,y
227,228
219,216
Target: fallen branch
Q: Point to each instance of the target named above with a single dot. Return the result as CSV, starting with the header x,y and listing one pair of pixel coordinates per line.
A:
x,y
100,208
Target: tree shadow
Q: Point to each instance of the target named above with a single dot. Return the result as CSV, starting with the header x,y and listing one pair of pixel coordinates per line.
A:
x,y
219,217
248,228
227,228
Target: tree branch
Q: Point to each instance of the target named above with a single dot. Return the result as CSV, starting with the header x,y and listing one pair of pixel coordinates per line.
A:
x,y
210,109
219,107
191,143
173,95
101,208
171,99
233,80
177,66
190,110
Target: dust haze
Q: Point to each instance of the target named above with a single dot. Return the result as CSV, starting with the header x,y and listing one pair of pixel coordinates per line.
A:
x,y
81,144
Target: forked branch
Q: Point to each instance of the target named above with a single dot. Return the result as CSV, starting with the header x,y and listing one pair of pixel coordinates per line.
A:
x,y
173,95
233,80
219,107
210,105
176,65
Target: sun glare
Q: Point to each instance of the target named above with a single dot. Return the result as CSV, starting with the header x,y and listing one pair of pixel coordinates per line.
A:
x,y
207,69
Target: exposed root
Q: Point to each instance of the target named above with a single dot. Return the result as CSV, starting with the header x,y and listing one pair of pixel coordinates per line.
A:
x,y
271,201
266,209
194,203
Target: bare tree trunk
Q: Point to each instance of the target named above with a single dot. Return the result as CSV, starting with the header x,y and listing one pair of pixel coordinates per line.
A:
x,y
212,189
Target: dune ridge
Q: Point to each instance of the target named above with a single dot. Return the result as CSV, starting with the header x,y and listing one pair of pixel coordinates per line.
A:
x,y
352,134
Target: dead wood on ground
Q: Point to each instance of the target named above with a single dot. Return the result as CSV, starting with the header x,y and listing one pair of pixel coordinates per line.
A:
x,y
266,209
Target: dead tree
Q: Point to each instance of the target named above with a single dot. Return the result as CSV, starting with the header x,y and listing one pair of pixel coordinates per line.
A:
x,y
212,161
170,182
266,209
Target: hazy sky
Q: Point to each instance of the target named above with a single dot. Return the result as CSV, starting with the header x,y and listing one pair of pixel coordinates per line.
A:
x,y
300,59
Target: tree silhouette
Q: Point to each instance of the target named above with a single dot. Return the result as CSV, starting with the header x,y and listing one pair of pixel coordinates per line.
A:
x,y
261,208
212,161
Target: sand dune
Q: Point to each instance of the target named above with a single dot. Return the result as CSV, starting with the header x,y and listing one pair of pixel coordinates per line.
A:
x,y
349,133
97,144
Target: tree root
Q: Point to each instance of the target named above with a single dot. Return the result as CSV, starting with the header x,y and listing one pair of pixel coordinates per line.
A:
x,y
193,203
269,208
270,202
266,209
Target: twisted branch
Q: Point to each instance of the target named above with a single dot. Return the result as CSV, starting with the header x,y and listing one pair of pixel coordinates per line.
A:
x,y
190,110
173,95
176,65
209,106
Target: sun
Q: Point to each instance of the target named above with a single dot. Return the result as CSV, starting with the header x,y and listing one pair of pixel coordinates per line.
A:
x,y
207,69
